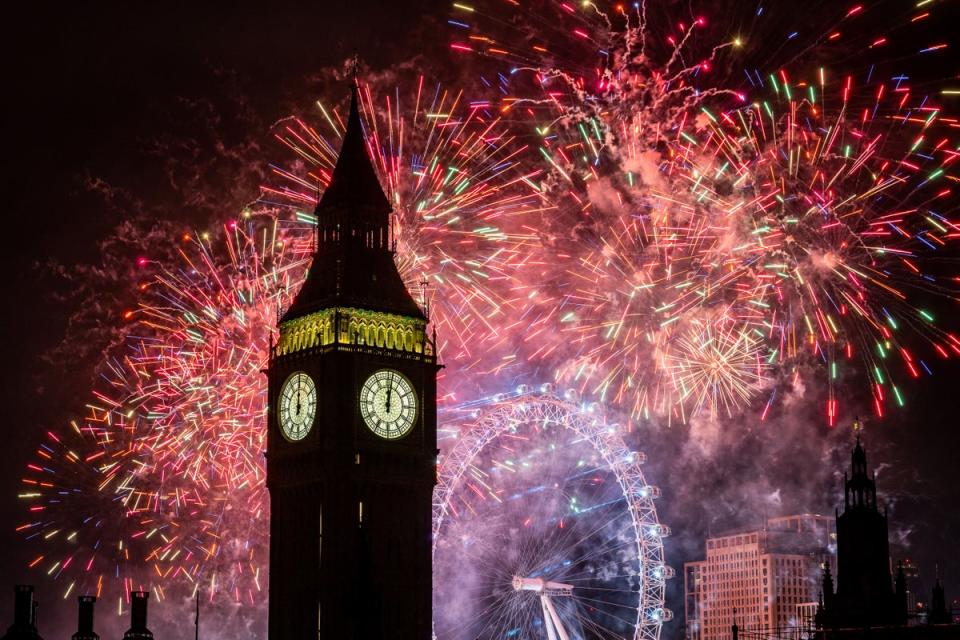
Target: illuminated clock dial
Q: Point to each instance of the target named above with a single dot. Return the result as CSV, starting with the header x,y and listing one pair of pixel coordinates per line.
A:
x,y
388,404
298,406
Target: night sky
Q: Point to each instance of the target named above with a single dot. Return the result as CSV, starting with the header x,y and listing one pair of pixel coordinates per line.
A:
x,y
115,112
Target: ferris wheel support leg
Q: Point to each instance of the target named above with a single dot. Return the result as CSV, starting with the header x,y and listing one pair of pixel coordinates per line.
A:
x,y
548,607
547,619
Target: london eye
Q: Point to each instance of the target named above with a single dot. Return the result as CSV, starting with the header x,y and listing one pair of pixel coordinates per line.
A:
x,y
544,526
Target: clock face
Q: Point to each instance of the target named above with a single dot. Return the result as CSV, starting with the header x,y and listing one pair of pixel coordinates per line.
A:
x,y
388,404
298,406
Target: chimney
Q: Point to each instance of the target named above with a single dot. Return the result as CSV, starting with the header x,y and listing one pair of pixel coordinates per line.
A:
x,y
24,625
85,620
138,617
138,612
23,612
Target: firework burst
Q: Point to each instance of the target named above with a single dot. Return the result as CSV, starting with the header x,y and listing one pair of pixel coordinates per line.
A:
x,y
796,225
160,484
826,203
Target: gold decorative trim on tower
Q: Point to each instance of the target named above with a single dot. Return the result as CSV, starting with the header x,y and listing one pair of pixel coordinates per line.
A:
x,y
356,327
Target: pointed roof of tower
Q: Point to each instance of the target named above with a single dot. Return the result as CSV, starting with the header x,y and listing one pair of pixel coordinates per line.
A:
x,y
859,454
353,266
354,183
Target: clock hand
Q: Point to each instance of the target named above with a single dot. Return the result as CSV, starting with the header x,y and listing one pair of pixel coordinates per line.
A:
x,y
299,386
391,387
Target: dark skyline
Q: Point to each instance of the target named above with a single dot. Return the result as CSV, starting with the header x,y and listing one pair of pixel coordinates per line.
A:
x,y
117,113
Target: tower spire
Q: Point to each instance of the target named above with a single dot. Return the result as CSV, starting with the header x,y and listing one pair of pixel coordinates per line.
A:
x,y
353,262
860,488
354,196
354,69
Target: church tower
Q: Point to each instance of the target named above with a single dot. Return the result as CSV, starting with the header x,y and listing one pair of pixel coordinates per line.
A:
x,y
352,441
864,595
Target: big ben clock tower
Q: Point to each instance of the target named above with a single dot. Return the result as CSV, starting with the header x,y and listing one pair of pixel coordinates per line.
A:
x,y
352,442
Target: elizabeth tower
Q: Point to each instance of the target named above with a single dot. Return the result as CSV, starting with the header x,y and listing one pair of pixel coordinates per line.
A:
x,y
352,441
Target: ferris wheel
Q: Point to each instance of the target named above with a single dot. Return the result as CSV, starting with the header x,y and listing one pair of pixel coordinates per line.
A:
x,y
544,527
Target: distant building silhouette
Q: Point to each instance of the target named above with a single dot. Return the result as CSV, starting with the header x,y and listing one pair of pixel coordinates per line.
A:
x,y
24,625
938,606
769,576
911,574
901,595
